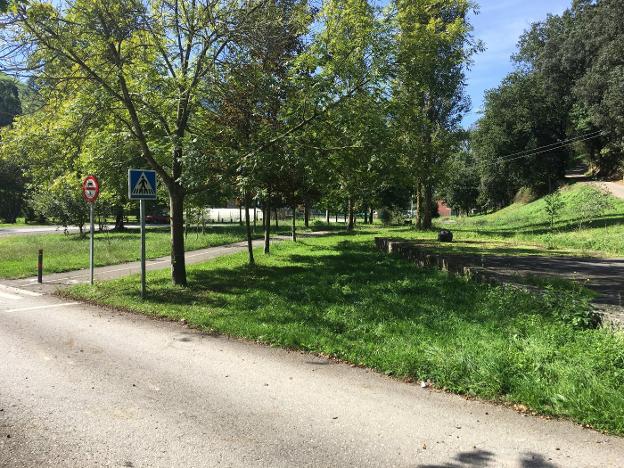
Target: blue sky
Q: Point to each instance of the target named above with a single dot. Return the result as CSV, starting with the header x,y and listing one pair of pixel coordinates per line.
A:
x,y
499,25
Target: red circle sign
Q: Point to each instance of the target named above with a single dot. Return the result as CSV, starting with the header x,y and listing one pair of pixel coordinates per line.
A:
x,y
90,188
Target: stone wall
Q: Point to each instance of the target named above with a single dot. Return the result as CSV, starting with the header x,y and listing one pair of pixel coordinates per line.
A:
x,y
459,265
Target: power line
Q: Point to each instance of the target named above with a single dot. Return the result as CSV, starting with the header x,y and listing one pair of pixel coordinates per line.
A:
x,y
546,148
558,143
535,152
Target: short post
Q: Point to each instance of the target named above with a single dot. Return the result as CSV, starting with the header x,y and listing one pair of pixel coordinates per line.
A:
x,y
92,230
40,267
142,214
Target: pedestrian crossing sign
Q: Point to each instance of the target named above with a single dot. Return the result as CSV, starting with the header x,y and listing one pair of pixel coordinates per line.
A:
x,y
141,184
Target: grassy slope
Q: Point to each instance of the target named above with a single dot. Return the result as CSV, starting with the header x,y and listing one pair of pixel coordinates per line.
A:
x,y
339,297
18,254
529,223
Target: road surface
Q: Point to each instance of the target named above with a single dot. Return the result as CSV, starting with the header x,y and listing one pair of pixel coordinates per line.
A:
x,y
85,386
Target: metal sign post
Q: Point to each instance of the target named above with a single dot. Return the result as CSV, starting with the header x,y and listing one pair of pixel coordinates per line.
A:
x,y
91,244
142,214
142,186
90,192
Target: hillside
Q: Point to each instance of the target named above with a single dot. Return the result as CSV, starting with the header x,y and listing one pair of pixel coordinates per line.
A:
x,y
577,225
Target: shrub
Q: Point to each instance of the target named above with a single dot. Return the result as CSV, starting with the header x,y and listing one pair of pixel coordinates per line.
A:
x,y
385,216
593,205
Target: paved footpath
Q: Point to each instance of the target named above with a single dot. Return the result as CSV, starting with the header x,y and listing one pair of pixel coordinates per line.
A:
x,y
86,386
53,281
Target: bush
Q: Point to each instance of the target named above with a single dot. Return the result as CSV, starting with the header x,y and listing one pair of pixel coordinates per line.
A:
x,y
63,202
385,216
554,205
593,205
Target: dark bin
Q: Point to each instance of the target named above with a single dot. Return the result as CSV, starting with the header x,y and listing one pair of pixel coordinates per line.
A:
x,y
445,236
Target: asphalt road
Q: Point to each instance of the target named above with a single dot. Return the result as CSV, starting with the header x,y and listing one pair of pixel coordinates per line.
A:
x,y
84,386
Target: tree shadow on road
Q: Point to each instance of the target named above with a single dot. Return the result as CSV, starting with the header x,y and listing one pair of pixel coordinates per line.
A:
x,y
484,458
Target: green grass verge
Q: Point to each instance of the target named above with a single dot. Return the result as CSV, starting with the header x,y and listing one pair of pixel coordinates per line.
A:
x,y
340,297
529,223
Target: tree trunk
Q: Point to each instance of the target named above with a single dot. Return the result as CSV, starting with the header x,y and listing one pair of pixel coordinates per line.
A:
x,y
306,214
276,220
371,216
427,206
336,217
327,216
249,237
419,208
176,213
294,224
119,218
366,215
240,213
350,223
267,226
255,213
263,217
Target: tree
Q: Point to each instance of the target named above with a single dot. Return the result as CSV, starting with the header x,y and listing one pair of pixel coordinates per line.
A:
x,y
151,63
460,188
10,104
554,204
12,190
520,116
349,142
432,48
63,202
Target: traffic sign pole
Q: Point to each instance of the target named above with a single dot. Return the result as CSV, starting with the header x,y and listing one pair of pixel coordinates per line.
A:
x,y
141,187
91,244
142,215
90,192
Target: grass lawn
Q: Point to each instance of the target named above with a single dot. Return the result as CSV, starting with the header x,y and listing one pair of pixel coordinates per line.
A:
x,y
529,223
19,224
340,297
18,254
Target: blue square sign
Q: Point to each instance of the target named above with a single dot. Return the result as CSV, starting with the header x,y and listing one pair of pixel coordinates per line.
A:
x,y
141,184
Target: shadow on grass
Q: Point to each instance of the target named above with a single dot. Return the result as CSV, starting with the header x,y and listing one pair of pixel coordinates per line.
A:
x,y
339,289
568,225
476,247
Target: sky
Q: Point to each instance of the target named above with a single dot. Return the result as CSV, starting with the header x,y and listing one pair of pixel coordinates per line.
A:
x,y
499,24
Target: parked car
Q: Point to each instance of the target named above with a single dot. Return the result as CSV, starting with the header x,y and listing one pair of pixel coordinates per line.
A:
x,y
157,219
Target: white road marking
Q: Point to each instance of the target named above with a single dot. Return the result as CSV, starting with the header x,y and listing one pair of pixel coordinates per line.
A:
x,y
12,297
23,292
26,309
